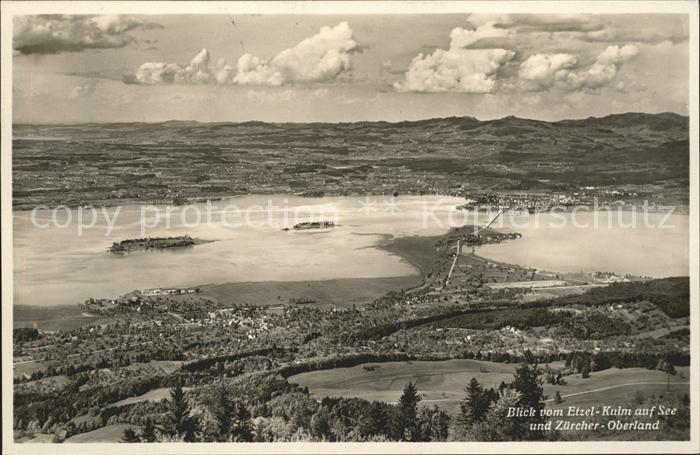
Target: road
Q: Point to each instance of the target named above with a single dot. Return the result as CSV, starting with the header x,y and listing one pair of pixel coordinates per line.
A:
x,y
600,389
617,386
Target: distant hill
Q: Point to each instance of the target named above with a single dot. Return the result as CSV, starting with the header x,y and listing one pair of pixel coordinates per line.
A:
x,y
511,152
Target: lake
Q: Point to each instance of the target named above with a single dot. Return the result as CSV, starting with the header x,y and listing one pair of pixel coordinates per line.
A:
x,y
625,245
56,265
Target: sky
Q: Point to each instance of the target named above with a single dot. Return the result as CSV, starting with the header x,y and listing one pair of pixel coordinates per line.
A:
x,y
310,68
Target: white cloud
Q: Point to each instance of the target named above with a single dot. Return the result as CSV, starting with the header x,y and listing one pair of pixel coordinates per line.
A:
x,y
461,38
605,68
199,70
478,20
53,34
458,69
252,70
593,28
462,70
543,71
664,27
322,57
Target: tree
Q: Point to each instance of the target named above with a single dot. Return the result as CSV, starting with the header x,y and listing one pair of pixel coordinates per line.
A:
x,y
180,423
433,424
130,435
557,398
231,418
319,426
474,406
528,383
586,370
497,426
403,424
668,368
148,431
374,420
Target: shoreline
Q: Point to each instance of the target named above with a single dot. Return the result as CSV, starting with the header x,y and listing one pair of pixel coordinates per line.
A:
x,y
419,252
340,292
679,209
109,203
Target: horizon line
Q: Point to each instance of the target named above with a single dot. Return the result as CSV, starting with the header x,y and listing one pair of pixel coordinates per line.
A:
x,y
349,122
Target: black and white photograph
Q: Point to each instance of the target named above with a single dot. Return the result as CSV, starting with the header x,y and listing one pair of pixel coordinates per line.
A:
x,y
367,227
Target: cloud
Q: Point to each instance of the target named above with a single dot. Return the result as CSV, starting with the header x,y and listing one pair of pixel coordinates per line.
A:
x,y
548,23
554,23
255,71
543,71
84,90
605,68
462,70
199,70
53,34
322,57
462,38
654,28
458,69
595,28
674,34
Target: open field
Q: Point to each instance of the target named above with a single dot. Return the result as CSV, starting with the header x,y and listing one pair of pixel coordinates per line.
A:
x,y
62,317
156,367
53,319
442,382
52,383
152,395
618,394
28,313
615,383
528,284
67,323
110,433
338,292
554,292
417,251
439,382
37,438
28,367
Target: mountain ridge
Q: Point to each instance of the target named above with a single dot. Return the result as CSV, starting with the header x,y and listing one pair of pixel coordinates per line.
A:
x,y
459,155
642,115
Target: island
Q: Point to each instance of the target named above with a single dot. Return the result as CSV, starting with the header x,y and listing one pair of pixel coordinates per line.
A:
x,y
314,225
153,243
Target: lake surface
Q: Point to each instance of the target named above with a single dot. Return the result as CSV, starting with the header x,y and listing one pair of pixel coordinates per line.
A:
x,y
622,245
56,266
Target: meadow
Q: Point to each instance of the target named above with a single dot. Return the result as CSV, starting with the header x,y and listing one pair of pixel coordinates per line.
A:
x,y
442,383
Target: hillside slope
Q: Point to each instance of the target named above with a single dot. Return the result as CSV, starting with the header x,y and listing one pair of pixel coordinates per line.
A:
x,y
93,162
